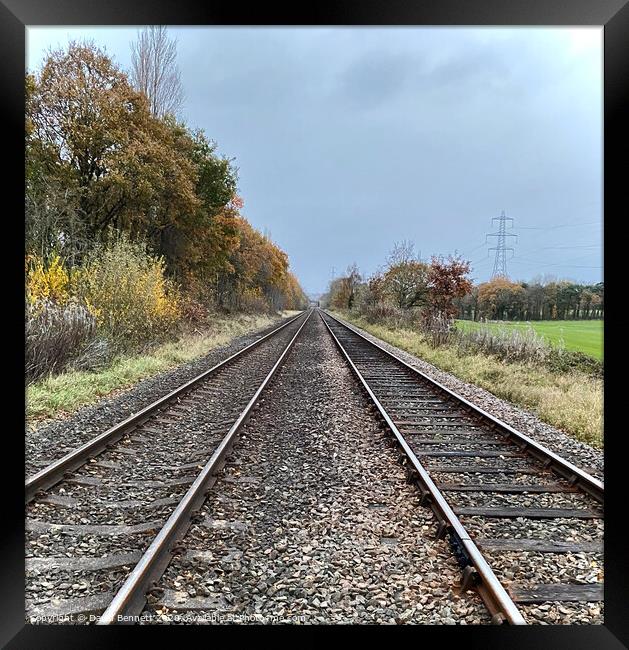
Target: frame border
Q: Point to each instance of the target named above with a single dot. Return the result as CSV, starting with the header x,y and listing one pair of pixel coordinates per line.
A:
x,y
15,15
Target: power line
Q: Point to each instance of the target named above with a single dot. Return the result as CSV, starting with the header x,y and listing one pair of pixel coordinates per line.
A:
x,y
474,249
484,260
546,248
562,225
545,264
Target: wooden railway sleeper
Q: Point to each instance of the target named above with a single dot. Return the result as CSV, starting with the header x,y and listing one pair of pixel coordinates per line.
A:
x,y
442,529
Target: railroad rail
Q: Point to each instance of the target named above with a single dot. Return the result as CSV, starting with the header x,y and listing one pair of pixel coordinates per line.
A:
x,y
57,470
480,475
106,481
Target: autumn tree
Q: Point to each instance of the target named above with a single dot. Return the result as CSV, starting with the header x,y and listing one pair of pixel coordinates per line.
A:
x,y
154,70
100,162
52,220
446,281
257,273
376,289
539,299
82,111
294,296
406,277
194,228
344,290
214,236
352,281
500,299
467,305
91,133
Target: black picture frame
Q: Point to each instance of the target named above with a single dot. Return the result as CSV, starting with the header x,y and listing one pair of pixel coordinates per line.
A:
x,y
15,15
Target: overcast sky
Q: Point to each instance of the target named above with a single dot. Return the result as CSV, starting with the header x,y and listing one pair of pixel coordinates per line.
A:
x,y
350,139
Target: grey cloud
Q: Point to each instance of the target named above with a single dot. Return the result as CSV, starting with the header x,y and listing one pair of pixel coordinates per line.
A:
x,y
375,78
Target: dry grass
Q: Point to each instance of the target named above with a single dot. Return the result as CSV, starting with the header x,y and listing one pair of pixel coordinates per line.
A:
x,y
69,391
572,401
55,336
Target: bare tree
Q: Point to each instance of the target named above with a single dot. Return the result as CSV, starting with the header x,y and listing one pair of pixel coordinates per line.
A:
x,y
403,252
155,72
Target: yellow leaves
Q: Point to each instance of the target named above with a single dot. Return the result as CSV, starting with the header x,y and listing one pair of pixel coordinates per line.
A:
x,y
127,292
121,285
47,281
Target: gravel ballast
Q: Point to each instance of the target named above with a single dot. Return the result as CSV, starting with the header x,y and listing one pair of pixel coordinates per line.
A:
x,y
312,520
570,576
54,438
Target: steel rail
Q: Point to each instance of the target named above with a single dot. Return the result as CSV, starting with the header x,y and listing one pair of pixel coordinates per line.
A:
x,y
586,482
490,589
56,471
130,598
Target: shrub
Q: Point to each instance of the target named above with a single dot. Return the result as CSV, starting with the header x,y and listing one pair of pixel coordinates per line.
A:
x,y
193,312
95,355
390,315
55,336
126,290
253,302
562,360
46,281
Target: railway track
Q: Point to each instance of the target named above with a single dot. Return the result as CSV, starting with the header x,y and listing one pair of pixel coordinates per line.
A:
x,y
102,520
524,524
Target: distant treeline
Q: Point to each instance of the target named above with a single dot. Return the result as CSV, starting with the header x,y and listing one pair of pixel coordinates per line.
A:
x,y
411,290
502,299
406,285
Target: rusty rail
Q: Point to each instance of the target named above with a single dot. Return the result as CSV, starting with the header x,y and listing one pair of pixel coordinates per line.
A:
x,y
586,482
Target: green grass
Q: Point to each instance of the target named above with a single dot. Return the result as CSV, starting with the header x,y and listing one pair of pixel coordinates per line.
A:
x,y
571,401
65,393
580,335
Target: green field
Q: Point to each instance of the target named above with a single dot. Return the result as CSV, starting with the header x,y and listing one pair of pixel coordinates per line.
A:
x,y
582,335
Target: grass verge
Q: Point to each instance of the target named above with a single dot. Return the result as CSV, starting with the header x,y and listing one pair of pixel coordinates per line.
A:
x,y
571,401
580,335
69,391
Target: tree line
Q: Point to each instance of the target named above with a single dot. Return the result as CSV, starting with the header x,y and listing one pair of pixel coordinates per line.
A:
x,y
410,289
503,299
106,155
